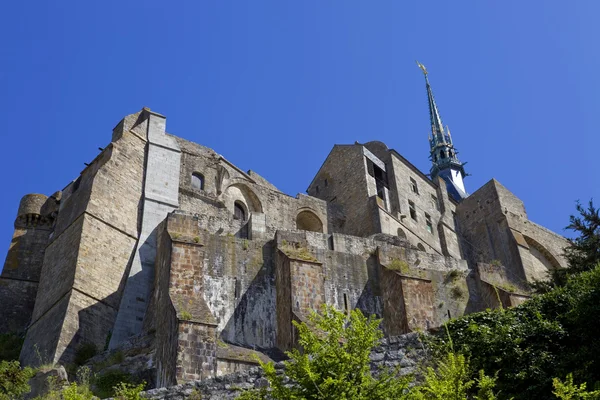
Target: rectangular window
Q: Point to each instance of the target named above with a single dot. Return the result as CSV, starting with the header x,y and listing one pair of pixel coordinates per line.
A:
x,y
429,223
434,200
413,186
413,210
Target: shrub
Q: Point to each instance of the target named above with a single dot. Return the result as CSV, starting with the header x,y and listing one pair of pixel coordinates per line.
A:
x,y
104,385
13,380
128,391
548,336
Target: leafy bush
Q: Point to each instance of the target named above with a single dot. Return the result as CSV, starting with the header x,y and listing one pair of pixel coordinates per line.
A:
x,y
334,363
128,391
548,336
104,385
13,380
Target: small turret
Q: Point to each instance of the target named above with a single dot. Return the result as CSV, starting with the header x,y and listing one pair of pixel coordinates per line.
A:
x,y
443,155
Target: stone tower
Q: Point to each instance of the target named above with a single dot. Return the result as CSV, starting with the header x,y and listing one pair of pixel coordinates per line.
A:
x,y
445,163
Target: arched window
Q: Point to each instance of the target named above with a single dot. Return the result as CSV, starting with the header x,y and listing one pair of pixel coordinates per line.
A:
x,y
451,153
198,181
239,211
401,233
421,247
442,154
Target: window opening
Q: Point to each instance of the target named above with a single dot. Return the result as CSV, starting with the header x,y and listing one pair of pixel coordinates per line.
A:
x,y
326,183
239,212
346,304
429,223
442,154
381,181
197,181
435,202
413,210
413,186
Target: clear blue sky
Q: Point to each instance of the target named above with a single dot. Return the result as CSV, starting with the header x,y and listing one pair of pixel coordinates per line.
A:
x,y
273,85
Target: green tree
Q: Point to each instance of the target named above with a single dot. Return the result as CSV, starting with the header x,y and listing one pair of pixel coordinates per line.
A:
x,y
13,380
583,253
334,362
451,380
569,391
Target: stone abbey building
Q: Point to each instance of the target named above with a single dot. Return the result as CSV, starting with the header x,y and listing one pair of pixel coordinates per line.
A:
x,y
164,242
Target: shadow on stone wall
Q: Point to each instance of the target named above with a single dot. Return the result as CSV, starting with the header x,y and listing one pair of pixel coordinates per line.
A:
x,y
248,322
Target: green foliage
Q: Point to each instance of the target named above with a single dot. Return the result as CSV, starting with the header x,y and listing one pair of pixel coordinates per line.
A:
x,y
10,346
569,391
13,379
76,392
334,363
104,385
84,352
186,315
583,254
451,380
128,391
550,335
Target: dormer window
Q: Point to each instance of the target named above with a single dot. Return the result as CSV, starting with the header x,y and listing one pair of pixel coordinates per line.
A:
x,y
197,181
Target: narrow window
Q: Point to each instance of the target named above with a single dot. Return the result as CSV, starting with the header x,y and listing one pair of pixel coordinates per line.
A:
x,y
442,154
413,210
239,212
346,304
326,183
197,181
317,189
428,223
381,181
434,200
413,186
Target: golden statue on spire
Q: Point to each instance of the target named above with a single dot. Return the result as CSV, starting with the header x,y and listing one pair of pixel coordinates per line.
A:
x,y
422,68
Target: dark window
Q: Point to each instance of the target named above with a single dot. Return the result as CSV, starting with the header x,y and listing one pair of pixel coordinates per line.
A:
x,y
442,154
346,307
317,189
413,186
197,181
435,202
429,223
239,212
381,181
413,210
326,183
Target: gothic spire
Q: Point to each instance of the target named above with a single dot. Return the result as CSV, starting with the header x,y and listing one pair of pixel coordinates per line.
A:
x,y
443,156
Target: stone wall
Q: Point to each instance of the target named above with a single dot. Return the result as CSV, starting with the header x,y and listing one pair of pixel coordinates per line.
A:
x,y
88,254
406,351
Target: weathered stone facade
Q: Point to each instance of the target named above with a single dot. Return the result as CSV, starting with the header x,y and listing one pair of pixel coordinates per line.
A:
x,y
164,239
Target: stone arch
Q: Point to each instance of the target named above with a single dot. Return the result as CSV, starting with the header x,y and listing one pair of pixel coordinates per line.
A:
x,y
401,233
242,192
542,260
307,220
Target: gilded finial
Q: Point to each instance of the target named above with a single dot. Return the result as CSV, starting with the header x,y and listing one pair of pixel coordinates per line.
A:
x,y
422,68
